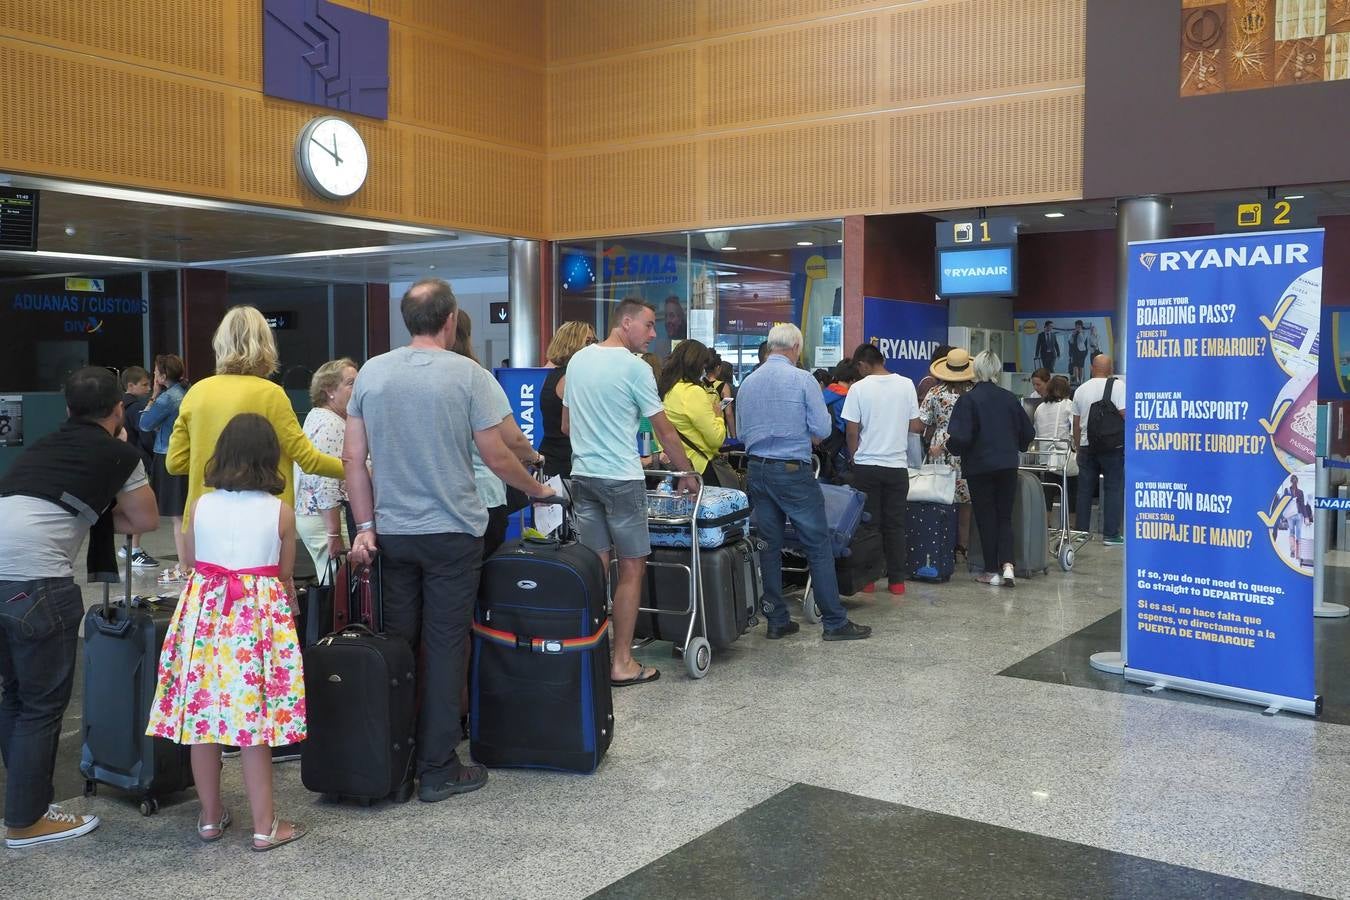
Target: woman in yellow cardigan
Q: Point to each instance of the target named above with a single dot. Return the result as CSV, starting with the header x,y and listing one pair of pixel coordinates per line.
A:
x,y
692,408
246,353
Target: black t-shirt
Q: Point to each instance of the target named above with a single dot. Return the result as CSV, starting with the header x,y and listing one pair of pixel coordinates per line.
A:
x,y
143,441
555,446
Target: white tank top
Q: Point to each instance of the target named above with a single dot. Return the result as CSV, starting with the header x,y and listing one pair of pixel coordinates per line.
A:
x,y
237,529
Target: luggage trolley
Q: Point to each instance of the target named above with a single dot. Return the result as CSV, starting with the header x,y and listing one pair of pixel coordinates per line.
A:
x,y
665,508
1038,458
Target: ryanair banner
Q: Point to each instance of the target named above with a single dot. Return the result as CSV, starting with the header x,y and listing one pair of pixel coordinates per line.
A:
x,y
905,332
523,387
1221,438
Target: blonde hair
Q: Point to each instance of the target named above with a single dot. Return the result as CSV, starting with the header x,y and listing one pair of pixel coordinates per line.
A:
x,y
567,340
244,345
327,378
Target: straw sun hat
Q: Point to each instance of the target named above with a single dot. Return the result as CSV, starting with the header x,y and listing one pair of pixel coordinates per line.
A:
x,y
955,366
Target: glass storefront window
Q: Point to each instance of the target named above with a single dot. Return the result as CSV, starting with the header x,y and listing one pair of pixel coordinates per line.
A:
x,y
726,288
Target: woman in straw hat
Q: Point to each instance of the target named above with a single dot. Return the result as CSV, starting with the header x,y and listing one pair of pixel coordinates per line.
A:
x,y
955,376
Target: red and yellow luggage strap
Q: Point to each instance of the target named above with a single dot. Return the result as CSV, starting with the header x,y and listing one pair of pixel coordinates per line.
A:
x,y
543,645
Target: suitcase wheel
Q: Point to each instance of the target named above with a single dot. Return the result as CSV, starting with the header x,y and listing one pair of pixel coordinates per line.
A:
x,y
403,793
149,806
697,657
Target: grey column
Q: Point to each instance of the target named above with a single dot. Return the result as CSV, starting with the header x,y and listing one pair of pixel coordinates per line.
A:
x,y
1137,219
525,278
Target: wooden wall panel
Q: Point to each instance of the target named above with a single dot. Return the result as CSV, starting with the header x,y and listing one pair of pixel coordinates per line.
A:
x,y
808,173
726,15
984,47
644,190
587,28
512,27
646,96
457,180
1012,151
820,69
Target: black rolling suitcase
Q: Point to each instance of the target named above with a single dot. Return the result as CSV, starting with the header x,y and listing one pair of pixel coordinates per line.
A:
x,y
540,692
864,563
122,643
731,592
930,540
361,703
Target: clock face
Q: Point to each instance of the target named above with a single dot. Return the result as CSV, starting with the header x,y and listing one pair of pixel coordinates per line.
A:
x,y
332,157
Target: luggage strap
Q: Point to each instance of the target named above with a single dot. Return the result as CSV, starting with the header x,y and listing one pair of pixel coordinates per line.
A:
x,y
543,645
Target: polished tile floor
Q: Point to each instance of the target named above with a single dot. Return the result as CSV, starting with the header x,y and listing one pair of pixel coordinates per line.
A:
x,y
918,718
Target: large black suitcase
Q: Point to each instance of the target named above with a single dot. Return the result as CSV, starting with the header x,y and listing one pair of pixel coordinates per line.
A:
x,y
930,540
864,563
361,704
122,643
731,592
540,691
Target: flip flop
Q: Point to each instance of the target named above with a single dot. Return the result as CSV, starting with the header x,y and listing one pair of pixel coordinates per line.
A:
x,y
640,678
271,841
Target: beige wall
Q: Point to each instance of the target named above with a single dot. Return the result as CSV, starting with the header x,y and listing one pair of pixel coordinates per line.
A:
x,y
674,113
567,118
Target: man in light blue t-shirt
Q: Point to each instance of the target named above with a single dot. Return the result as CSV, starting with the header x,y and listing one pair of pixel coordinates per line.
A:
x,y
608,390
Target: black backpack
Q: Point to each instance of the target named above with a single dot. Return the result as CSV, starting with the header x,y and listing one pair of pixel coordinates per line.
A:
x,y
1105,424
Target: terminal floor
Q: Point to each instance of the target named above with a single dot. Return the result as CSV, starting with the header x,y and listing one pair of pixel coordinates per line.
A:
x,y
906,765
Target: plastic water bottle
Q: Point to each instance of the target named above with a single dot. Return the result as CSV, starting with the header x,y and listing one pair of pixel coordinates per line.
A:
x,y
667,504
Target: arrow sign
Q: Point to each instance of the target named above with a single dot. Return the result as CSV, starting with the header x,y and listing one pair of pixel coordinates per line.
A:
x,y
499,313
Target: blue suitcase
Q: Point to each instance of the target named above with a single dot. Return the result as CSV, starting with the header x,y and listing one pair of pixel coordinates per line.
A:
x,y
723,517
930,540
843,515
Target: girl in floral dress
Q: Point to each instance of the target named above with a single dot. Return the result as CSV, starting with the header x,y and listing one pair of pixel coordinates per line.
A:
x,y
230,669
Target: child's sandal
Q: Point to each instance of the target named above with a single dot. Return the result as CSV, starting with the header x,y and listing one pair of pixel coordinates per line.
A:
x,y
272,842
210,832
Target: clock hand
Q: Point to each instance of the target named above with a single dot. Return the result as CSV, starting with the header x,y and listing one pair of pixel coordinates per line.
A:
x,y
335,153
325,150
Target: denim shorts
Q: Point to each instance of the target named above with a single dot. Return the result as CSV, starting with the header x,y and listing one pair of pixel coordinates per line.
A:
x,y
612,513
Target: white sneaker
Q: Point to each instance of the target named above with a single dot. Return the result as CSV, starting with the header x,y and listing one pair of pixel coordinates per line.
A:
x,y
1009,577
54,826
994,580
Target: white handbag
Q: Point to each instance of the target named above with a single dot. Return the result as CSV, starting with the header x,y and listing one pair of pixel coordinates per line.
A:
x,y
933,483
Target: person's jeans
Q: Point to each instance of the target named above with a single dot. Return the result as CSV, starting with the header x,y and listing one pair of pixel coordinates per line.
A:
x,y
887,489
430,583
991,500
1111,466
781,491
39,634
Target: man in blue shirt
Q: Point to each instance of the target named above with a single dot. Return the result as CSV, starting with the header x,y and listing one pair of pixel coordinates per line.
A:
x,y
781,413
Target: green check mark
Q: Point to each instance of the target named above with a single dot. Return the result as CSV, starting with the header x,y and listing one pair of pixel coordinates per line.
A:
x,y
1272,324
1279,414
1275,517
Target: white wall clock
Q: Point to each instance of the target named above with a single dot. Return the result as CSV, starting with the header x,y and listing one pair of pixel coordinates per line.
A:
x,y
331,157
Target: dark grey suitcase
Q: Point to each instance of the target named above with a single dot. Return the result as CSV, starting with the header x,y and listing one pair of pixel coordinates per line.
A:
x,y
122,643
731,592
1031,530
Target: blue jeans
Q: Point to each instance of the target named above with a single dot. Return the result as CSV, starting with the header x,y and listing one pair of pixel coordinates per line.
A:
x,y
781,491
39,634
1111,466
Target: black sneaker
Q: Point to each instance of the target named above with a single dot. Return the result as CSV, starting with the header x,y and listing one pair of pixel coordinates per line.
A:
x,y
463,780
286,753
782,631
849,631
142,560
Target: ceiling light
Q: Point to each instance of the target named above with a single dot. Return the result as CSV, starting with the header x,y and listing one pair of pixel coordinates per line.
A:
x,y
840,241
1054,215
728,248
804,243
1294,197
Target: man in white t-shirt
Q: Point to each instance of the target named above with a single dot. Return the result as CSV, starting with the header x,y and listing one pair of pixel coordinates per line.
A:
x,y
1094,461
880,412
607,393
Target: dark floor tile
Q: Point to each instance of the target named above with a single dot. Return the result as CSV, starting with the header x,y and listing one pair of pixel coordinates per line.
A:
x,y
1066,662
812,842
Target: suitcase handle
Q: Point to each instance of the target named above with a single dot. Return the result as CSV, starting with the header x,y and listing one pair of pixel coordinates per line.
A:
x,y
108,622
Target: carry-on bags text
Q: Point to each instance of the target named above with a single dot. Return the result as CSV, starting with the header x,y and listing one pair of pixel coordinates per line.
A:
x,y
122,643
930,540
1031,530
539,679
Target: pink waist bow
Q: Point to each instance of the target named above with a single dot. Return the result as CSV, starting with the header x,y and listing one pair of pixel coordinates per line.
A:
x,y
213,574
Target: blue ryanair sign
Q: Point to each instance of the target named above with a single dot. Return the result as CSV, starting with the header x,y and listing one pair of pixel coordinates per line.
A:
x,y
987,271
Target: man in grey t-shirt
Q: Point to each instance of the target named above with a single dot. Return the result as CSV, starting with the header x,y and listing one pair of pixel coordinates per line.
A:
x,y
416,411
